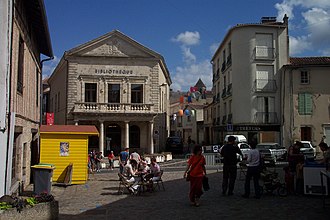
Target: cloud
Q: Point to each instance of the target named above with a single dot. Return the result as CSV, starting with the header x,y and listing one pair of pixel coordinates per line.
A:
x,y
213,48
187,38
49,66
284,8
188,56
298,45
312,26
186,76
318,25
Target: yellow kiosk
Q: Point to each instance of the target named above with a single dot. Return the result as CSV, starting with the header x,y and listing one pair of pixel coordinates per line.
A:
x,y
66,147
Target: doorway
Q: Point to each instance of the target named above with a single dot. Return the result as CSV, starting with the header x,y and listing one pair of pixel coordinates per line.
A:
x,y
113,139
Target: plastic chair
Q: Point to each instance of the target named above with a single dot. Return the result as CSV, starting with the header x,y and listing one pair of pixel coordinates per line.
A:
x,y
159,181
123,184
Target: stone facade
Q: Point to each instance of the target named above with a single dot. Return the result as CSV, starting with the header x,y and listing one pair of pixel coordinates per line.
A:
x,y
118,85
29,39
305,100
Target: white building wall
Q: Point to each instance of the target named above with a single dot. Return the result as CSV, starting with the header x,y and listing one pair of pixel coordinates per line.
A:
x,y
5,41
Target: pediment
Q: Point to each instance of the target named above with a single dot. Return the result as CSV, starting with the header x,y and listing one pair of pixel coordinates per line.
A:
x,y
113,44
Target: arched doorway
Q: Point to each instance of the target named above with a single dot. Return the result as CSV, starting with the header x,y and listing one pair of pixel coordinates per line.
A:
x,y
134,136
113,139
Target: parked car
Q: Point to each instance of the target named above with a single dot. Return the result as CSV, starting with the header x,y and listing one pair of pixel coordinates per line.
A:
x,y
308,150
265,152
272,151
239,138
174,145
245,148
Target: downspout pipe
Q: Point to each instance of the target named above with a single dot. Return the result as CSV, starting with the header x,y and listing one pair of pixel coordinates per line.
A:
x,y
41,99
41,87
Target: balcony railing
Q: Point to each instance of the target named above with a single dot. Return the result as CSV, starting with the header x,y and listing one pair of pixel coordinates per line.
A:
x,y
265,85
229,60
266,118
229,89
264,52
224,93
112,107
223,66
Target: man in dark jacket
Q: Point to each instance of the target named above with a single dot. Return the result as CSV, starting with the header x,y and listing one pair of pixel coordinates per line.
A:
x,y
229,153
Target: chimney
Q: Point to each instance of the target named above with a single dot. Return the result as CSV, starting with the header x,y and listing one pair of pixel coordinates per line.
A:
x,y
268,20
285,20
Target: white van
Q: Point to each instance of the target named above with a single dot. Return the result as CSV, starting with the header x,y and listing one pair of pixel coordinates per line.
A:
x,y
239,138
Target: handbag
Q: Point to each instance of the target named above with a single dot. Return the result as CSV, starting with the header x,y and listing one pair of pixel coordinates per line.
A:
x,y
188,176
206,185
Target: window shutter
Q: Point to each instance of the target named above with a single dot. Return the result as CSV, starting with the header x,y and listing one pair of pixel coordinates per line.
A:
x,y
305,104
308,104
301,104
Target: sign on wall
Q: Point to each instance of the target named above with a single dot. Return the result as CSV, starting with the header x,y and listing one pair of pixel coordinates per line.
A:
x,y
64,149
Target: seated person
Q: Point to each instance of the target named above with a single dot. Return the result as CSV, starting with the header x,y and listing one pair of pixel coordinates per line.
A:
x,y
135,156
130,172
143,167
155,170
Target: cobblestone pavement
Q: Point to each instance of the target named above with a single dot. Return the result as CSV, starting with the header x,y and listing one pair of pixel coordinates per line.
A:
x,y
99,199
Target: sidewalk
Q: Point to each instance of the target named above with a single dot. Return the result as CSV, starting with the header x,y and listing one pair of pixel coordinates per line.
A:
x,y
98,199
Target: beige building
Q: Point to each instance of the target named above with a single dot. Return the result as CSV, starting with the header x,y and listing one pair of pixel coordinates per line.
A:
x,y
208,124
246,81
187,112
29,38
306,100
118,85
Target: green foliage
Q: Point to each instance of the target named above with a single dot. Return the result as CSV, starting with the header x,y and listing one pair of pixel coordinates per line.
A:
x,y
31,201
20,203
4,206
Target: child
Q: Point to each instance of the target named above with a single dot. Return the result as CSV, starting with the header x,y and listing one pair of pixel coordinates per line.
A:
x,y
111,158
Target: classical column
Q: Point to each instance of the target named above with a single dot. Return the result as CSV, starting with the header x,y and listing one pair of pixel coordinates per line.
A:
x,y
101,140
151,137
126,145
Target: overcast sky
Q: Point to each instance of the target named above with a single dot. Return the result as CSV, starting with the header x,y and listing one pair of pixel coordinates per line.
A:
x,y
185,32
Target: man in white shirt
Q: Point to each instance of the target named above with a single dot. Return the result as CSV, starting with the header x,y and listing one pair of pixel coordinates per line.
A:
x,y
253,170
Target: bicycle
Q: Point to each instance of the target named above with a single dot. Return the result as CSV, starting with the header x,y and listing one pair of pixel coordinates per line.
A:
x,y
271,182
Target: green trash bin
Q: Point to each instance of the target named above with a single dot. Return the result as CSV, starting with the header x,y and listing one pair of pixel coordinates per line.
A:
x,y
42,178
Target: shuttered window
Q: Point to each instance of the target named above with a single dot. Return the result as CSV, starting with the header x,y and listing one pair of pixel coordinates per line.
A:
x,y
305,106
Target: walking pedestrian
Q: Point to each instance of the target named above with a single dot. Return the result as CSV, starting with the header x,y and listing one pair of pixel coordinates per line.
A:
x,y
229,153
196,169
253,171
98,162
93,160
111,158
